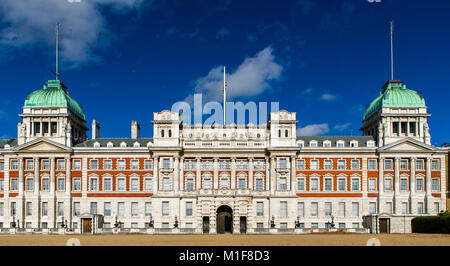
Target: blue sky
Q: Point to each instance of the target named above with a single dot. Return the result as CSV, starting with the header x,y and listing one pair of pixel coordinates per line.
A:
x,y
326,60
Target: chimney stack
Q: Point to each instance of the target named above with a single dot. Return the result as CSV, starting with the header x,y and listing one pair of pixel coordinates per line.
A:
x,y
95,129
135,130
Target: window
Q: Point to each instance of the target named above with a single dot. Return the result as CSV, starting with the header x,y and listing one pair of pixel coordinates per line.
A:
x,y
44,225
60,209
165,225
134,209
372,184
2,209
340,144
355,164
93,164
327,164
355,209
2,166
76,164
403,164
190,184
76,208
107,164
283,185
45,165
300,164
189,208
258,165
166,163
107,209
224,182
93,186
148,184
372,207
419,165
420,208
2,185
327,144
61,165
300,184
121,209
30,184
328,210
44,208
148,209
13,209
328,184
121,184
387,164
207,184
166,183
45,184
77,184
14,165
388,184
395,127
121,164
341,209
259,185
134,164
372,164
435,164
355,225
135,184
314,209
370,143
61,184
434,184
188,225
259,225
283,208
419,184
300,209
93,207
314,186
341,184
283,225
241,183
148,164
29,208
389,207
314,225
404,207
107,184
341,225
341,164
404,184
30,164
165,208
283,163
355,184
353,144
314,164
14,184
313,144
436,207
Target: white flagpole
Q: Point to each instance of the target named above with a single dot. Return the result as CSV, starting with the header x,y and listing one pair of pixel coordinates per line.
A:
x,y
224,95
57,37
392,51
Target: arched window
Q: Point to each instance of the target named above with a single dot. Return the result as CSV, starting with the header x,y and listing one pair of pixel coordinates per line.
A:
x,y
170,133
162,133
286,133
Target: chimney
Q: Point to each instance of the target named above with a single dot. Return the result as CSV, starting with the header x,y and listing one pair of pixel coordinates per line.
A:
x,y
135,130
95,129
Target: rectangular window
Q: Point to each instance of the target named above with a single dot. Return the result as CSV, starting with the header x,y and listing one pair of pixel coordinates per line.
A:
x,y
283,185
77,184
93,186
436,207
29,208
120,208
165,225
166,183
148,209
107,209
404,184
148,184
190,184
419,165
93,207
14,184
328,184
314,164
300,209
283,163
342,209
300,184
60,209
76,164
314,184
388,184
341,184
341,164
166,163
389,207
355,209
44,208
435,184
355,225
435,165
404,207
61,164
314,225
403,164
2,188
107,184
76,208
300,164
341,225
121,164
419,184
121,184
134,164
207,184
372,165
372,207
14,165
135,184
259,185
13,209
388,164
165,208
420,208
134,209
30,164
107,164
188,208
314,209
2,166
61,184
283,225
223,182
327,164
148,164
2,206
328,210
355,184
372,184
30,184
259,225
355,164
259,208
93,164
395,127
45,184
241,183
283,208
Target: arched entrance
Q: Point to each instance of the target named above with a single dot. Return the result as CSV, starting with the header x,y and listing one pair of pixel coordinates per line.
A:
x,y
224,220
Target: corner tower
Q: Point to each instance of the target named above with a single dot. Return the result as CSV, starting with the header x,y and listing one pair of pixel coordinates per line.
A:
x,y
53,114
396,113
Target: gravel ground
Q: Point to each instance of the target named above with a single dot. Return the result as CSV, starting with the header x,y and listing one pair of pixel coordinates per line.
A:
x,y
315,239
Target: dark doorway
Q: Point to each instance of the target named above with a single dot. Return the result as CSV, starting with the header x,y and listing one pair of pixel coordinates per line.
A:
x,y
206,225
224,220
384,225
243,224
87,225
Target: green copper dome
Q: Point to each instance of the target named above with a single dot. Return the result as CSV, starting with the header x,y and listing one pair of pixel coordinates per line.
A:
x,y
54,94
395,94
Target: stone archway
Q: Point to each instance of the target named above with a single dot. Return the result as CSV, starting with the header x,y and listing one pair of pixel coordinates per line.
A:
x,y
224,221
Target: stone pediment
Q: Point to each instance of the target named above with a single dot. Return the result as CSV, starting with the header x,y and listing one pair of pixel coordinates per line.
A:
x,y
407,145
42,145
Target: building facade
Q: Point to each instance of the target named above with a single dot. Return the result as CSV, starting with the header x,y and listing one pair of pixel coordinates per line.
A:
x,y
215,178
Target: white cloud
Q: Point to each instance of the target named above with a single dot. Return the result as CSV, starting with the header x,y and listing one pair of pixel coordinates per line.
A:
x,y
29,22
251,78
313,130
306,91
223,32
341,127
328,97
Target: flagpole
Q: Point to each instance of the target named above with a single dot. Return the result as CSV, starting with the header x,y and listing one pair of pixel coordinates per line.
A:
x,y
392,51
224,95
57,37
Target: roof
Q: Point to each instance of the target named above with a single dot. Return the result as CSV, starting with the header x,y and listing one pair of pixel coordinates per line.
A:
x,y
115,141
395,94
10,142
54,94
362,140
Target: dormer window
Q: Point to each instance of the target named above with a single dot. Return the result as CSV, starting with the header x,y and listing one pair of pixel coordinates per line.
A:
x,y
123,145
300,143
313,143
136,145
327,144
353,143
371,143
110,145
340,144
96,145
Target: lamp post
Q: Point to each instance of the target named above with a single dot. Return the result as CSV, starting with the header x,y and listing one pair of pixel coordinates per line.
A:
x,y
272,222
13,224
116,224
151,222
175,225
297,223
62,222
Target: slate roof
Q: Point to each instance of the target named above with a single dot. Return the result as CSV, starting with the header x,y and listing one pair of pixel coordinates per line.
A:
x,y
362,140
115,141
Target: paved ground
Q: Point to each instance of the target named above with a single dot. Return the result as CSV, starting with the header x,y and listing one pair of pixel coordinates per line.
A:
x,y
315,239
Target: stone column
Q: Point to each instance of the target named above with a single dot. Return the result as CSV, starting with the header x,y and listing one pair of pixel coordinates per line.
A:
x,y
250,173
233,173
380,184
68,207
198,176
52,201
292,176
272,179
176,173
156,174
181,178
397,204
21,198
428,185
267,176
412,180
37,191
215,181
